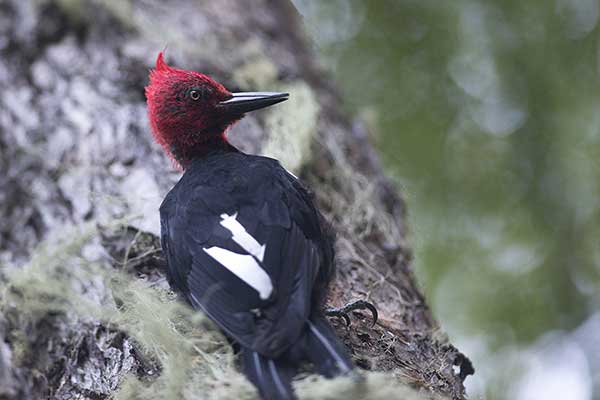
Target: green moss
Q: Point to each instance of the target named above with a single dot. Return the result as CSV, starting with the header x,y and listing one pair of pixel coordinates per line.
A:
x,y
194,361
192,356
258,72
79,10
48,281
292,126
375,386
122,10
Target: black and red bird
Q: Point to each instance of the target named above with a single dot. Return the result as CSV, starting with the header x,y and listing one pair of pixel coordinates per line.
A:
x,y
243,240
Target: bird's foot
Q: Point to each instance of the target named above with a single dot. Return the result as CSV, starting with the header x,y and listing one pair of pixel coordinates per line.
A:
x,y
343,312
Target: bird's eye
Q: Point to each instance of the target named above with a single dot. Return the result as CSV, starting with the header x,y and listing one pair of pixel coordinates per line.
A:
x,y
194,94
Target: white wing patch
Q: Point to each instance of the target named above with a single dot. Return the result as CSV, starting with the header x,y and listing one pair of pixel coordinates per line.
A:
x,y
243,266
242,237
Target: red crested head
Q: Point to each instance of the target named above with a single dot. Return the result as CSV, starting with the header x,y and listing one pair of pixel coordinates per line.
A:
x,y
182,107
189,112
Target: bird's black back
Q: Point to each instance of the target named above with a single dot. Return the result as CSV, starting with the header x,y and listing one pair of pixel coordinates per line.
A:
x,y
203,220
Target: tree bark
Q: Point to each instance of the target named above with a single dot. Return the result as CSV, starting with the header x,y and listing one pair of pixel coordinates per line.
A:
x,y
76,150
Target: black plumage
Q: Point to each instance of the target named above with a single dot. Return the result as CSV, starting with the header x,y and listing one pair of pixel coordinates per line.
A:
x,y
277,332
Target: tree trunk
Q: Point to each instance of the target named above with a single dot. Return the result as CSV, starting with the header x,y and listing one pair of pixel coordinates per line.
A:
x,y
87,314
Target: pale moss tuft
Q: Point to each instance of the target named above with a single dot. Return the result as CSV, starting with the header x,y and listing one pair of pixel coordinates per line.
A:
x,y
193,359
375,386
78,10
293,123
54,272
292,127
257,72
120,9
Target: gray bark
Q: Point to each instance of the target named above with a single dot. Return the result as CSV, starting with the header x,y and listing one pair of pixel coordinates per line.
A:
x,y
76,150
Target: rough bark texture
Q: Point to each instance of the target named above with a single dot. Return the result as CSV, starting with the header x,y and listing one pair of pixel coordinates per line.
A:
x,y
75,148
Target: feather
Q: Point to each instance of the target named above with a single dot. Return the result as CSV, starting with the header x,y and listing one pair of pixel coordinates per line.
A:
x,y
273,378
325,350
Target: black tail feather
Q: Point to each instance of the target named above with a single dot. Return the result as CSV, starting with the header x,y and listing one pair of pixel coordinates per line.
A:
x,y
324,350
318,345
273,378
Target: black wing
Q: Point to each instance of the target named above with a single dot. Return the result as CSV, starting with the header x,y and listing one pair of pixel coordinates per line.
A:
x,y
244,243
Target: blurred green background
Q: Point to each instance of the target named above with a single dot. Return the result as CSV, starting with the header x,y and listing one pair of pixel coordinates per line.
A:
x,y
488,116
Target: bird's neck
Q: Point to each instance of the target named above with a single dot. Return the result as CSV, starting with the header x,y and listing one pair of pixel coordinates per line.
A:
x,y
186,152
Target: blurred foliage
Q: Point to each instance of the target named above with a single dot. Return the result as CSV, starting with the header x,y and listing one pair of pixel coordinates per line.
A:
x,y
487,112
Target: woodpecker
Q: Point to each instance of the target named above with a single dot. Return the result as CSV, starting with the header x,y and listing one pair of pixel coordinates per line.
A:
x,y
243,239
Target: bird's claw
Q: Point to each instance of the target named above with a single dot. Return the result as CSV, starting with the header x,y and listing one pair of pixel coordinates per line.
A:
x,y
343,312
